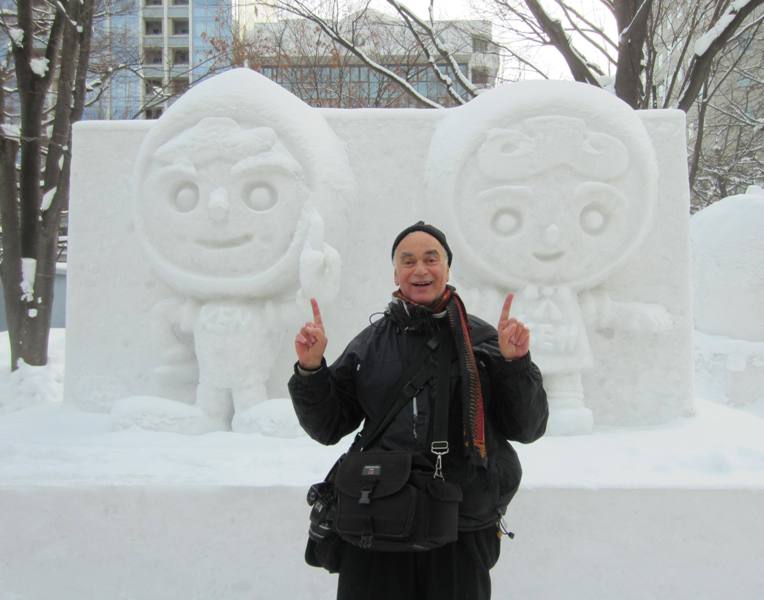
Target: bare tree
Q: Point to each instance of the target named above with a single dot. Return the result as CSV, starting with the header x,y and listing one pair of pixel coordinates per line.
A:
x,y
45,81
626,37
414,60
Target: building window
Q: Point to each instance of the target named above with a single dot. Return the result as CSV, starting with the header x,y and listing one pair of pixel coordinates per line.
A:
x,y
180,2
180,56
153,27
479,45
152,56
152,3
152,86
179,86
180,26
153,113
480,76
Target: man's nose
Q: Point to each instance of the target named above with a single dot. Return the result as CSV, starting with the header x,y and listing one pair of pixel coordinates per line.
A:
x,y
218,205
420,267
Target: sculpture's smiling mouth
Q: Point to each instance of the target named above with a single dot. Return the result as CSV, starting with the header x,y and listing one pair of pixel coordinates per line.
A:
x,y
223,244
548,256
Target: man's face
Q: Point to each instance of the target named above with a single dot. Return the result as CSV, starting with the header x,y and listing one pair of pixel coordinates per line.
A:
x,y
421,267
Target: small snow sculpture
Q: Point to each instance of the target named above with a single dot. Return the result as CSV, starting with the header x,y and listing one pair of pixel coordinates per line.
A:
x,y
238,187
547,188
728,268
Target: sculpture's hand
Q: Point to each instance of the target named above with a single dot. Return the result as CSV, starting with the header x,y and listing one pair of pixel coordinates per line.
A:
x,y
320,264
310,342
514,337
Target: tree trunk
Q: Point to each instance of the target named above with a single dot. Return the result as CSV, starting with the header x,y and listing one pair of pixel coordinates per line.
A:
x,y
31,311
631,18
10,268
698,146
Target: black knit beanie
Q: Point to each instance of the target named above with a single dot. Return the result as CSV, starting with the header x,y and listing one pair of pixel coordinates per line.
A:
x,y
422,226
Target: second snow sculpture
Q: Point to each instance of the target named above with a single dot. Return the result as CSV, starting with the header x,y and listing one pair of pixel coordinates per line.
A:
x,y
238,187
728,262
546,188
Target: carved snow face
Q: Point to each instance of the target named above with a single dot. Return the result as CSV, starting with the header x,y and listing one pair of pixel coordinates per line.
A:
x,y
546,203
221,200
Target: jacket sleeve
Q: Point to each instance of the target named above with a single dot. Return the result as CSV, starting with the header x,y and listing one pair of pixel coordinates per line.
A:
x,y
325,401
518,407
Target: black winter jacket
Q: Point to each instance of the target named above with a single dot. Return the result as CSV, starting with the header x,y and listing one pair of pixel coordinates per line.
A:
x,y
333,401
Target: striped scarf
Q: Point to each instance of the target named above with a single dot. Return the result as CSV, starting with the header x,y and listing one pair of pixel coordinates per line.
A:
x,y
473,408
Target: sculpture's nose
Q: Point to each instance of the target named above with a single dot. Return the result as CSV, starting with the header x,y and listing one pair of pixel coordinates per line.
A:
x,y
551,235
218,205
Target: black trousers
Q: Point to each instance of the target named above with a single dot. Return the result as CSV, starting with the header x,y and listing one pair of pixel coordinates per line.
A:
x,y
456,571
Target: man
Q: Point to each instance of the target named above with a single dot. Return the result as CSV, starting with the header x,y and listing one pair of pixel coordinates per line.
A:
x,y
495,394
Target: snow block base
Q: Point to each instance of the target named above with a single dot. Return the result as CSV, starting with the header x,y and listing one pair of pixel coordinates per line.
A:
x,y
146,543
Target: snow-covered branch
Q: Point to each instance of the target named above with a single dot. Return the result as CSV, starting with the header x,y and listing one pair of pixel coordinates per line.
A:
x,y
710,43
580,68
444,53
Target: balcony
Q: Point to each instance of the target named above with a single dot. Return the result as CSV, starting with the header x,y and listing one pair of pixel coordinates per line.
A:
x,y
153,41
485,61
177,41
178,12
153,12
153,71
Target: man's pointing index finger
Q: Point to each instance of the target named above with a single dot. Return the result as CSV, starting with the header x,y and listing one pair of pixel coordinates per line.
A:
x,y
505,309
316,312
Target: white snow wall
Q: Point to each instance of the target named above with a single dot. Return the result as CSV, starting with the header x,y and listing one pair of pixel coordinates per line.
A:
x,y
529,152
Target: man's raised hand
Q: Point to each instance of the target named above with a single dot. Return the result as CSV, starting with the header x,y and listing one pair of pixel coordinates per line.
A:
x,y
310,341
514,337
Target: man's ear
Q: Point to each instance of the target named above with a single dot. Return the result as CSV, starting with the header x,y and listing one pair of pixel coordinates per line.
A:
x,y
395,277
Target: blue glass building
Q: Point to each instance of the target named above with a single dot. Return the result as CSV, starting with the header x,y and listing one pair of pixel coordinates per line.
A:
x,y
157,48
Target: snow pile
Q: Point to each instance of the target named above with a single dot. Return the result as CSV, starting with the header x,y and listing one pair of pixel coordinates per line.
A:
x,y
28,385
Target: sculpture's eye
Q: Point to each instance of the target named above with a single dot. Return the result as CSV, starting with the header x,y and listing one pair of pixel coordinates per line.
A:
x,y
506,221
593,218
260,197
598,206
186,197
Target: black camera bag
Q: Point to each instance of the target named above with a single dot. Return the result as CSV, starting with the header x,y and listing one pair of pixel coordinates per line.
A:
x,y
393,501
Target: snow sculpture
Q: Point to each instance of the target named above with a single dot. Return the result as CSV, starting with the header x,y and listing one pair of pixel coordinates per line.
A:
x,y
546,189
728,262
237,189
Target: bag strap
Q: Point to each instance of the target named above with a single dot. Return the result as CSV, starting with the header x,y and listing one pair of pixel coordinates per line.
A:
x,y
439,443
414,378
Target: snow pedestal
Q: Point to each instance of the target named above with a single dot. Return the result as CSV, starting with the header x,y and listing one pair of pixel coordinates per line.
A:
x,y
188,276
238,543
728,262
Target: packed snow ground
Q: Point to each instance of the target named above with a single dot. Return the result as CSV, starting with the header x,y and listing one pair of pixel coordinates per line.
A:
x,y
46,442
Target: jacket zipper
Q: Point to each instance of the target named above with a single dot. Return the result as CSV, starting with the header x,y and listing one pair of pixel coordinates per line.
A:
x,y
415,416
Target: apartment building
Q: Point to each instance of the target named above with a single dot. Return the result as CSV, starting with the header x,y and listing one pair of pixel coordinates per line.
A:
x,y
158,48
